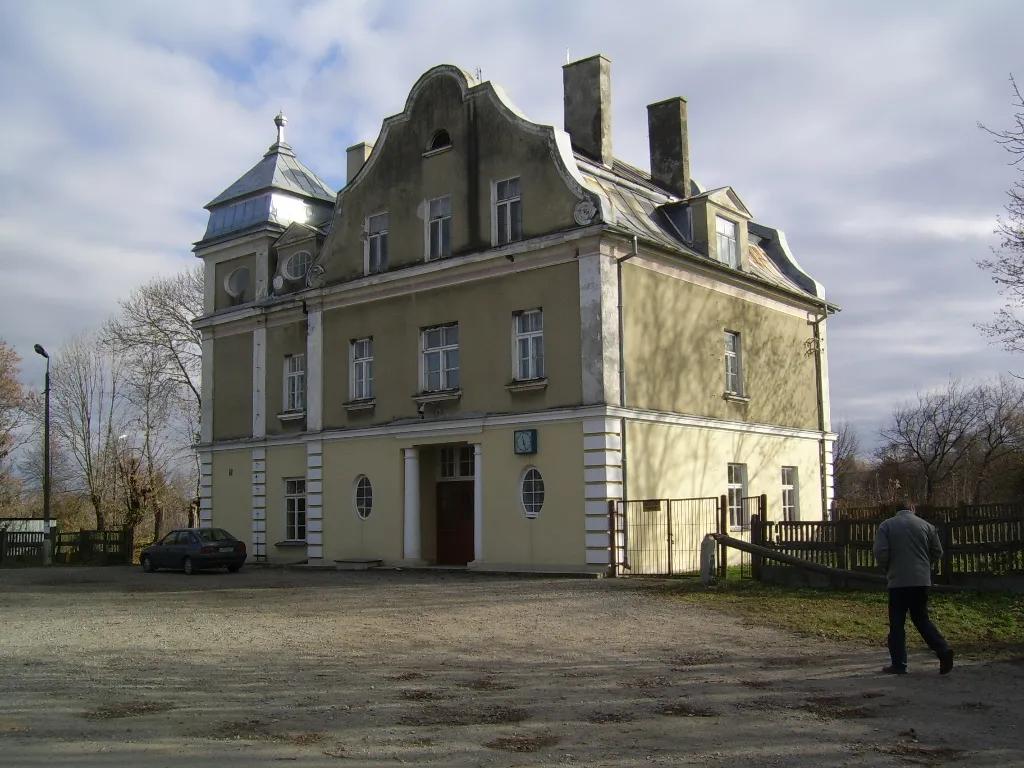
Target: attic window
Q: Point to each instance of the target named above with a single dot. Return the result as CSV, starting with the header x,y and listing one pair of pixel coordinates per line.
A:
x,y
297,265
440,141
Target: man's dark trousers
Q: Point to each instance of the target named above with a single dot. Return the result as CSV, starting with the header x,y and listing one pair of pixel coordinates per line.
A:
x,y
915,601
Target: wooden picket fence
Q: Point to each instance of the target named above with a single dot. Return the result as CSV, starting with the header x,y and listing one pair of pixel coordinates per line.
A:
x,y
25,548
935,513
991,547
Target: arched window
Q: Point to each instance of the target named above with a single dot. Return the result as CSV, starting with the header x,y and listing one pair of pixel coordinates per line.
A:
x,y
298,265
532,493
236,282
364,497
441,140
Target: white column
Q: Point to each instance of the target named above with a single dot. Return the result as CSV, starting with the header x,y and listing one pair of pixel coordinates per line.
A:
x,y
259,503
259,383
412,504
478,503
314,501
209,287
262,269
599,328
206,391
314,370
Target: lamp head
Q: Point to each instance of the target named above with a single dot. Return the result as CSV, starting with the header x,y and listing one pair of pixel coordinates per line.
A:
x,y
40,351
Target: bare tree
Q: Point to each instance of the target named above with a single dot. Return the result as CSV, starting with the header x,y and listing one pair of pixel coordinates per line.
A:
x,y
86,378
1007,266
13,417
937,433
999,431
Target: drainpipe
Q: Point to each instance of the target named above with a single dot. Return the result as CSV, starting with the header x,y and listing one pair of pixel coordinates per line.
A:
x,y
622,360
819,386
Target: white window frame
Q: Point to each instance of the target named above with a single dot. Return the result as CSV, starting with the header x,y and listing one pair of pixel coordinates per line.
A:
x,y
461,460
375,239
512,204
295,383
363,497
733,363
736,479
533,367
360,372
295,504
445,349
790,494
530,489
288,274
441,219
728,243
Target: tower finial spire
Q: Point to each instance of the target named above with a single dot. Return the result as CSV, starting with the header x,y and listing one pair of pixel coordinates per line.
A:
x,y
280,121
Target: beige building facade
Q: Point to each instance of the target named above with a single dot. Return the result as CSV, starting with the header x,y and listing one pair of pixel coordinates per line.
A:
x,y
493,333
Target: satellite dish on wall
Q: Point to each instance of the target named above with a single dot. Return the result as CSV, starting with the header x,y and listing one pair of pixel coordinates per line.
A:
x,y
278,282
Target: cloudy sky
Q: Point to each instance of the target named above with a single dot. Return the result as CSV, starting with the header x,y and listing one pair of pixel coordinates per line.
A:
x,y
851,126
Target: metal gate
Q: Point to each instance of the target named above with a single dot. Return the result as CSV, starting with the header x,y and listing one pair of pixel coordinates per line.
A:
x,y
662,537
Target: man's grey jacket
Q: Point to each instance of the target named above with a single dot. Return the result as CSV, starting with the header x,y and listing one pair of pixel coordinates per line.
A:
x,y
905,547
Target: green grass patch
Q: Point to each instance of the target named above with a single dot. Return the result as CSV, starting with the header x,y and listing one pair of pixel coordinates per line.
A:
x,y
979,625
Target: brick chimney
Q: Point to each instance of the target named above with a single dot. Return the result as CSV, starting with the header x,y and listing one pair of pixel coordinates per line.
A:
x,y
670,147
357,156
588,107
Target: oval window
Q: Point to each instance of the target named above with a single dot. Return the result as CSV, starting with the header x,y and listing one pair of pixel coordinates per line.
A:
x,y
440,141
298,265
364,497
236,282
532,493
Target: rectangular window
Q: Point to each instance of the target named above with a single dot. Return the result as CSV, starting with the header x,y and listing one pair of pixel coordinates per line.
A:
x,y
457,462
508,213
737,491
529,341
733,368
377,244
439,229
295,382
295,509
728,248
361,374
441,358
790,496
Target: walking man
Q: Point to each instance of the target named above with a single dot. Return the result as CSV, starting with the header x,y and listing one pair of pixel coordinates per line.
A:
x,y
905,547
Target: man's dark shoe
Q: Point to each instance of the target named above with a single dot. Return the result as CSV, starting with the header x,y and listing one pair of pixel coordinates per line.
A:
x,y
891,670
946,661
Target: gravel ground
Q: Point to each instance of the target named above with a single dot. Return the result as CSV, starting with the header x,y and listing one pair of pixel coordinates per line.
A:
x,y
113,667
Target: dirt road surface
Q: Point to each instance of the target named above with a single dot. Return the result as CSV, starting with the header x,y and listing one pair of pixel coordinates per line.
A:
x,y
112,667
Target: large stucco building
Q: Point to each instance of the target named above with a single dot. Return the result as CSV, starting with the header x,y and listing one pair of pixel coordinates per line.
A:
x,y
493,329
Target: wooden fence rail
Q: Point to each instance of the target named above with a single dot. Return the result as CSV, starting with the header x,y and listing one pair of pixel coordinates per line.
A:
x,y
78,547
989,547
935,514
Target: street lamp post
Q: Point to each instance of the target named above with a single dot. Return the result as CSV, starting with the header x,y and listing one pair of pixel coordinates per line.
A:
x,y
47,544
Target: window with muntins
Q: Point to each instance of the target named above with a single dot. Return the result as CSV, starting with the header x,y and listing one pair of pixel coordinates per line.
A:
x,y
790,501
728,247
377,244
297,265
361,374
737,491
532,493
295,509
529,331
733,369
439,229
508,212
441,358
456,462
295,383
364,497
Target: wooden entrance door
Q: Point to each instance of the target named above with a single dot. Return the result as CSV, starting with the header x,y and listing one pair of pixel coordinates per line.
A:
x,y
455,522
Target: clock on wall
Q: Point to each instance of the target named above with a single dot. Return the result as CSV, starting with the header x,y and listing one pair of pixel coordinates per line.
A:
x,y
525,441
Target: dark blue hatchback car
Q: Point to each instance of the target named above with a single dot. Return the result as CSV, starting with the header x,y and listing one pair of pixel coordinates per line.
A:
x,y
194,549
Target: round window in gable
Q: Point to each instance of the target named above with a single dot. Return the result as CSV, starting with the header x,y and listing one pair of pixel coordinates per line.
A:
x,y
532,493
441,140
364,497
236,282
298,265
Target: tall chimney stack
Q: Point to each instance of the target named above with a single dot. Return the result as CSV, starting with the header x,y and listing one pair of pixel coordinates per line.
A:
x,y
358,154
588,107
670,147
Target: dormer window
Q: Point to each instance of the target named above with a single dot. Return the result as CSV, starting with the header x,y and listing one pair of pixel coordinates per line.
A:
x,y
728,242
298,265
441,140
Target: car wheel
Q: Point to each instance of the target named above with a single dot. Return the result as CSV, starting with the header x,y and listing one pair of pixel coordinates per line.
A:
x,y
233,568
190,569
147,565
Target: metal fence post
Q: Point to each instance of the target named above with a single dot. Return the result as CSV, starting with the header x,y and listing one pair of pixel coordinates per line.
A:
x,y
723,528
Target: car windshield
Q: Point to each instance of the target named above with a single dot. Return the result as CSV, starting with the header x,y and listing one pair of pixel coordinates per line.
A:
x,y
214,534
